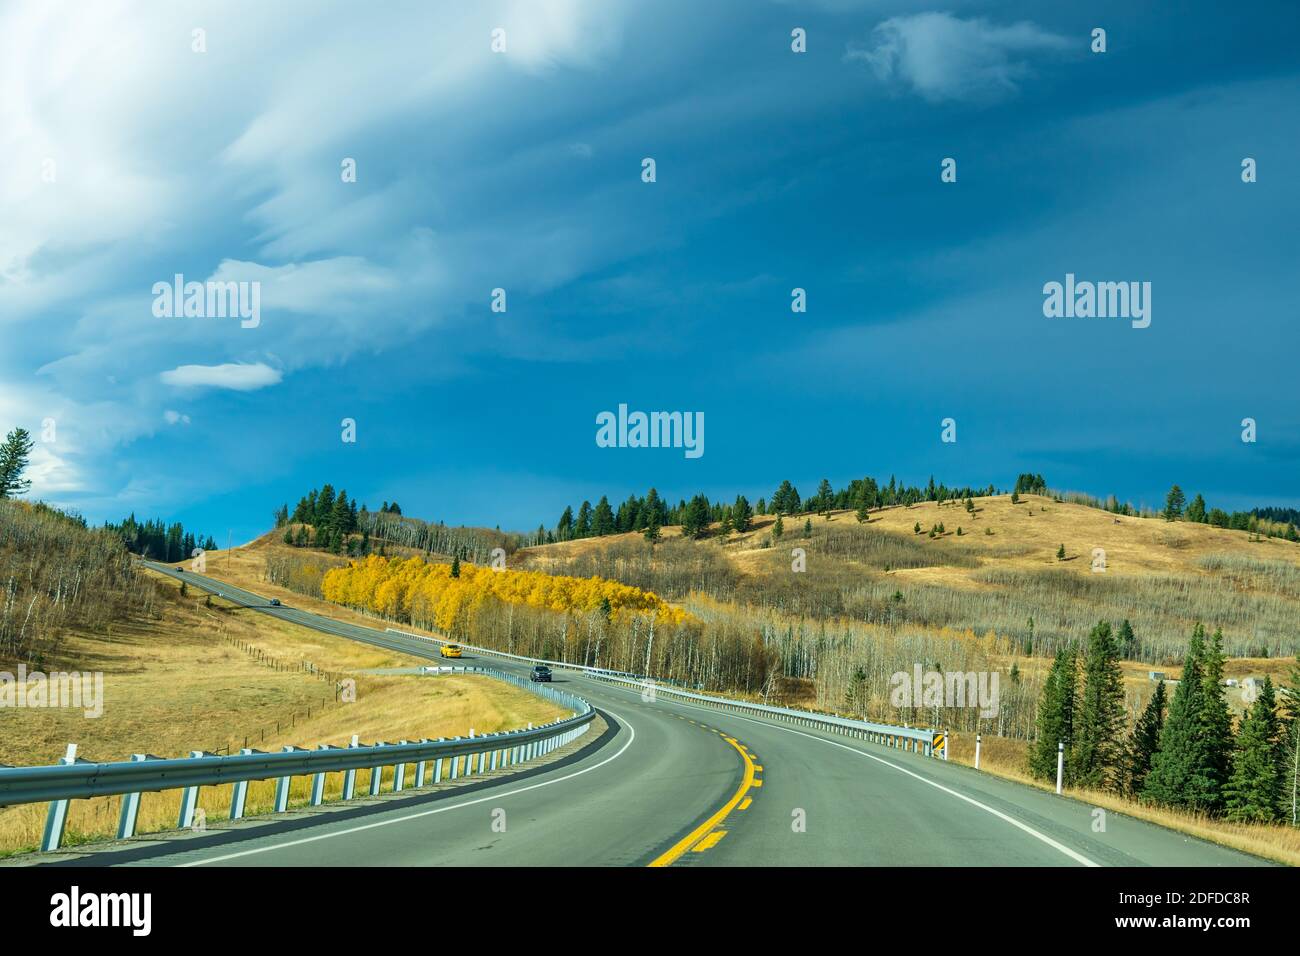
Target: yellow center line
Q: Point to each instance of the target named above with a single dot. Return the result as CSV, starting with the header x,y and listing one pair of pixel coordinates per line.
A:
x,y
705,828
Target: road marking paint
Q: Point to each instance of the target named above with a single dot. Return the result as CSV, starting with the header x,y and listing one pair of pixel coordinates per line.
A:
x,y
425,813
744,804
709,841
705,828
1024,827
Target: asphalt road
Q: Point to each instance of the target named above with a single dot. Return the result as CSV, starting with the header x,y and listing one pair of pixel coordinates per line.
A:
x,y
676,784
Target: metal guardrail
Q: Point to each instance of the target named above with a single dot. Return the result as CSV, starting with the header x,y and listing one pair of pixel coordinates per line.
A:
x,y
927,741
76,779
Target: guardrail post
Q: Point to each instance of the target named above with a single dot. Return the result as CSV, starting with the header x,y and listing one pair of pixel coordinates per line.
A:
x,y
189,799
977,751
57,816
482,761
377,773
399,772
318,781
282,784
437,768
947,742
1060,764
350,775
419,768
239,792
130,806
495,755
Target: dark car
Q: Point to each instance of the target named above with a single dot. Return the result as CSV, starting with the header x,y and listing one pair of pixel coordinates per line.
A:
x,y
182,570
275,602
541,673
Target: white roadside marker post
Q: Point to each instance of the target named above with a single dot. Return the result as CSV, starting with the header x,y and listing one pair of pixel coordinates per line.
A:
x,y
1060,764
977,751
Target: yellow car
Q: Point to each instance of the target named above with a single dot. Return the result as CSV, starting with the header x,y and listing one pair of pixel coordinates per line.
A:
x,y
449,650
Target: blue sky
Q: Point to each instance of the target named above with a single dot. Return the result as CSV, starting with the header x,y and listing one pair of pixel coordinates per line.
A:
x,y
522,170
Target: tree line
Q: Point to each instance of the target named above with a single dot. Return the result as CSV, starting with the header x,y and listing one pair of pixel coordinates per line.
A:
x,y
331,521
1185,753
159,541
650,513
1258,521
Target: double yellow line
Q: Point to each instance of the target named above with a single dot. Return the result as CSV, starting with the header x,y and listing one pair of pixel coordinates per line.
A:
x,y
706,834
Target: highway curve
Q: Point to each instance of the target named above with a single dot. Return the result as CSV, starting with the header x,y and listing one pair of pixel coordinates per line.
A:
x,y
681,785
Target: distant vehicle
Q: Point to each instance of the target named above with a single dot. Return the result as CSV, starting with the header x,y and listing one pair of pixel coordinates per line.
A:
x,y
275,602
181,570
449,650
541,673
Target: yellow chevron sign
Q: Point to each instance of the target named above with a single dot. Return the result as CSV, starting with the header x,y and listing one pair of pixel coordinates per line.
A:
x,y
940,741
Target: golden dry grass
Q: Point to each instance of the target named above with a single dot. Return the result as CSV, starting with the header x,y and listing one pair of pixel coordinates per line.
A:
x,y
1036,526
187,682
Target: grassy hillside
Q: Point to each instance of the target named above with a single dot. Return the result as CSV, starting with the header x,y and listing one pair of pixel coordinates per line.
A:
x,y
183,672
1000,572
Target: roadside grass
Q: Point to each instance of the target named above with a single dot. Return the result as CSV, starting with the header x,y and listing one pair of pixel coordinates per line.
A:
x,y
1006,758
190,680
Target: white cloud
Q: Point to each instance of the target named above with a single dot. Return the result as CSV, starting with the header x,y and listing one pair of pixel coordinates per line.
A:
x,y
239,376
941,57
173,417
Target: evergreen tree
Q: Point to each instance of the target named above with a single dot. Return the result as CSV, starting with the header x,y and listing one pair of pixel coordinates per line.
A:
x,y
741,514
564,530
1290,700
1055,723
14,455
778,528
1196,510
1060,553
1174,503
324,507
652,523
825,498
1145,741
1100,721
582,529
786,499
602,521
695,520
807,528
1253,793
340,518
1126,640
455,565
1179,774
1216,722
